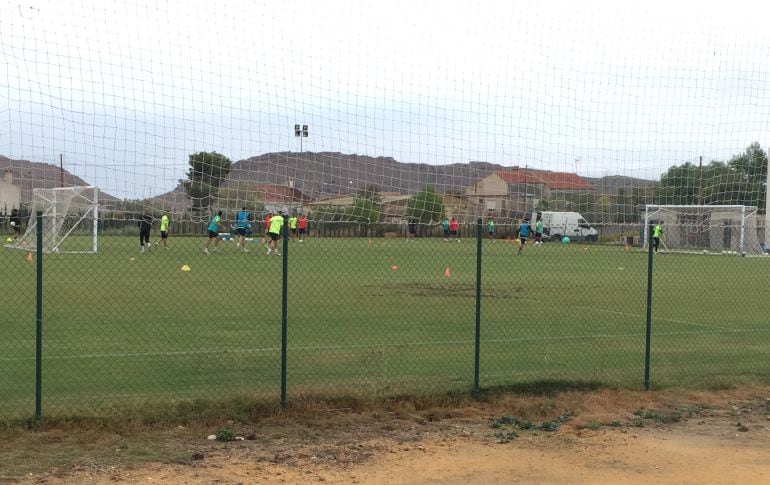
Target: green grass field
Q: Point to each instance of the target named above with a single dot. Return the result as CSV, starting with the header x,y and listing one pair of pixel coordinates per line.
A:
x,y
128,329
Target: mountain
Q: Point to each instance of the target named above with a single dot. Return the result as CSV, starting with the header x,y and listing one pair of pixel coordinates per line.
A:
x,y
609,185
317,175
330,173
29,175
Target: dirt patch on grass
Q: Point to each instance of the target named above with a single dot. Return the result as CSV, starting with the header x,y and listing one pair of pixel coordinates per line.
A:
x,y
602,436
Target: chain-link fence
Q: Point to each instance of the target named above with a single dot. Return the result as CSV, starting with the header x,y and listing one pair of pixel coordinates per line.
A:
x,y
372,314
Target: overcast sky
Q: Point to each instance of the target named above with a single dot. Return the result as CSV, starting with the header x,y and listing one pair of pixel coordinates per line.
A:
x,y
127,90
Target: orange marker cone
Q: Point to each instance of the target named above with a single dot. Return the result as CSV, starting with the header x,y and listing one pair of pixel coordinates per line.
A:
x,y
447,273
29,257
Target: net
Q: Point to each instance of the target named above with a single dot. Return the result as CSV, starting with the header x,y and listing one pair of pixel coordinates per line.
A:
x,y
70,220
722,229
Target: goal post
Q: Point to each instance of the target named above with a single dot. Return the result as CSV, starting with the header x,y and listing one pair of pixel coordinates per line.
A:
x,y
70,220
725,229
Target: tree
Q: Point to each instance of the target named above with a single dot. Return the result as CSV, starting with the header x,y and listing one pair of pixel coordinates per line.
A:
x,y
207,172
426,206
364,210
739,181
371,192
751,170
679,185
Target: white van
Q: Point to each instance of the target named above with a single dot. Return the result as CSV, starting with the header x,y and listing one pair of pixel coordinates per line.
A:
x,y
559,224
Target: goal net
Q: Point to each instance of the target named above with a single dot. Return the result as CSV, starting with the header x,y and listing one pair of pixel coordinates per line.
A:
x,y
70,220
722,229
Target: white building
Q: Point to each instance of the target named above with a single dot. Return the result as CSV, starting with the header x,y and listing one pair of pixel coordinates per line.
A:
x,y
10,194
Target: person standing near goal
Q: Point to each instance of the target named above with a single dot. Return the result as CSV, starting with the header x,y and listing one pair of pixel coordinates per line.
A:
x,y
411,229
524,231
445,228
293,225
242,227
145,224
266,237
276,224
164,222
453,229
213,229
539,231
657,231
302,227
15,224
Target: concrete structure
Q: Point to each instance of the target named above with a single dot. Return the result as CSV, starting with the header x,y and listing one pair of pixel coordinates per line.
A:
x,y
10,193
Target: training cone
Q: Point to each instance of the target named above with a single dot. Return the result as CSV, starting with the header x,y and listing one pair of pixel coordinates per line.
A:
x,y
29,257
394,267
185,268
447,273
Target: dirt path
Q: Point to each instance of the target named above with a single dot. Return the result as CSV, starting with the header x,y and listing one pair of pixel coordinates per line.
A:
x,y
724,444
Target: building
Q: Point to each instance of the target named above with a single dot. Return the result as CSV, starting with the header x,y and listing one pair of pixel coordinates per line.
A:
x,y
515,191
10,194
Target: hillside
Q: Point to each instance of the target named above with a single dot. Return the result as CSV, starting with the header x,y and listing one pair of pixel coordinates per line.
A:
x,y
29,175
317,175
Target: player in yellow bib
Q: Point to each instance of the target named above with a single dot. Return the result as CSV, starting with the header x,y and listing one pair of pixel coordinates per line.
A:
x,y
293,225
274,232
657,231
164,223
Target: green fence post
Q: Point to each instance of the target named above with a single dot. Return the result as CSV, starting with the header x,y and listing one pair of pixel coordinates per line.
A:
x,y
284,305
478,311
649,313
39,322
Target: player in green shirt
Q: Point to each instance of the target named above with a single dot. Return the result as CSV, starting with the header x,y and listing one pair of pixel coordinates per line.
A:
x,y
164,222
213,229
657,231
491,229
539,231
274,232
293,225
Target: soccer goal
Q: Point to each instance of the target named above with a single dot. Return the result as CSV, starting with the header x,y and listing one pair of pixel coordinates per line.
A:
x,y
721,229
70,220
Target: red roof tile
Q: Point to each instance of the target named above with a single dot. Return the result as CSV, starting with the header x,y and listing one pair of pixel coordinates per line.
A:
x,y
552,180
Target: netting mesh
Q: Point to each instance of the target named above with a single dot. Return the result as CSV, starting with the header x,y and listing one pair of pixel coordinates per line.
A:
x,y
69,216
729,229
422,118
337,111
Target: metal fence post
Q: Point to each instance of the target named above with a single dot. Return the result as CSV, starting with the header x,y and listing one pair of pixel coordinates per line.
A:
x,y
649,312
284,305
478,311
39,322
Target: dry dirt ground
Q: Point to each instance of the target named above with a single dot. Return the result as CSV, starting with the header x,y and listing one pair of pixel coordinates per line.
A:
x,y
601,436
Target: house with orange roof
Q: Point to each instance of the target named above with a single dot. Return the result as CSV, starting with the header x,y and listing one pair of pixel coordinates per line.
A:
x,y
507,192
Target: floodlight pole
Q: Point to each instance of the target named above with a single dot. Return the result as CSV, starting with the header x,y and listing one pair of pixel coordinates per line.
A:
x,y
301,132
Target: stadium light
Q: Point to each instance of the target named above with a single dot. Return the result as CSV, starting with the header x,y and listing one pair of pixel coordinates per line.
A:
x,y
301,133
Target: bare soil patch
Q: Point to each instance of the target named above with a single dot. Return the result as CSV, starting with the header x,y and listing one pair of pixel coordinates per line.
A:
x,y
603,436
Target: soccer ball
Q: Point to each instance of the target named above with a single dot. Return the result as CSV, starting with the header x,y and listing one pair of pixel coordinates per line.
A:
x,y
13,223
565,240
